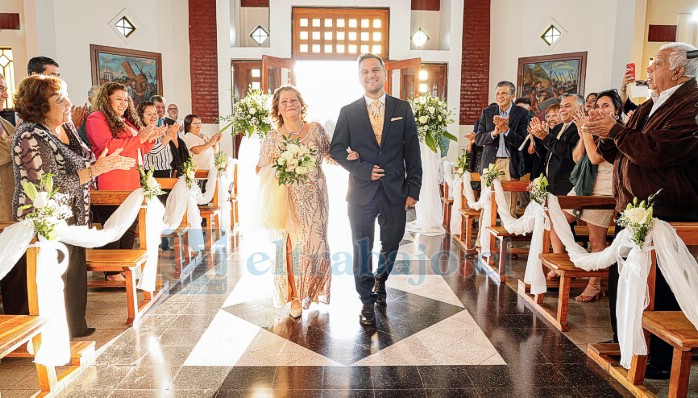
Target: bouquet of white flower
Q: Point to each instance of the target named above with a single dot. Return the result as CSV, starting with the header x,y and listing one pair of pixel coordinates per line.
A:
x,y
49,206
295,162
461,164
491,173
539,189
189,169
250,114
221,162
151,187
432,116
637,218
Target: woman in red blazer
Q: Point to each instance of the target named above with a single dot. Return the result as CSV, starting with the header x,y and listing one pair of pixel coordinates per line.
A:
x,y
116,125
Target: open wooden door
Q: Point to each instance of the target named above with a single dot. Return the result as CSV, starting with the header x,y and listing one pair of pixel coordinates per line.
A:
x,y
403,78
276,72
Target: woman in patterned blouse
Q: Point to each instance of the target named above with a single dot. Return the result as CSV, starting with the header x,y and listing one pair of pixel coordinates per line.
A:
x,y
45,143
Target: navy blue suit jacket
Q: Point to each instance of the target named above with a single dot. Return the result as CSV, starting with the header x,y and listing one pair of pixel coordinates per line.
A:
x,y
398,153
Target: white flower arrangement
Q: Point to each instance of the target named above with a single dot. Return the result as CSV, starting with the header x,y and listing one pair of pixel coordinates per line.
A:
x,y
432,116
461,164
189,169
151,187
637,218
221,162
295,162
491,173
49,206
539,189
250,114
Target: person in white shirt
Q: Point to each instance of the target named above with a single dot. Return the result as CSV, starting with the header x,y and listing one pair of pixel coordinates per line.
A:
x,y
202,148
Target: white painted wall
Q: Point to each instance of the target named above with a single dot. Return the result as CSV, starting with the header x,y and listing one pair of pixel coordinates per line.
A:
x,y
603,28
430,22
64,31
399,42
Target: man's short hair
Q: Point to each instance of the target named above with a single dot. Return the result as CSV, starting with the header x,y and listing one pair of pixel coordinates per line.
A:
x,y
677,58
37,64
364,56
158,98
579,98
523,100
92,91
505,83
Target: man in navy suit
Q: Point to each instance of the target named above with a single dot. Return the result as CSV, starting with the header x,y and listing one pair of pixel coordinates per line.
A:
x,y
383,182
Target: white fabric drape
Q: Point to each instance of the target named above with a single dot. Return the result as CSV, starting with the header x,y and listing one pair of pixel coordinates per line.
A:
x,y
486,214
14,241
676,262
429,212
225,185
455,182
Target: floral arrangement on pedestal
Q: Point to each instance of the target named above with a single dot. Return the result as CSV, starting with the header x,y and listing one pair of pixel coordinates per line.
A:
x,y
432,116
189,169
250,114
295,162
49,206
221,162
151,187
461,164
539,189
637,218
491,173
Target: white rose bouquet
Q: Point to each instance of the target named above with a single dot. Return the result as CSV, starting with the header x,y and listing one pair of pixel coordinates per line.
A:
x,y
432,116
151,187
637,218
250,114
461,164
221,162
49,206
189,169
491,173
539,189
295,162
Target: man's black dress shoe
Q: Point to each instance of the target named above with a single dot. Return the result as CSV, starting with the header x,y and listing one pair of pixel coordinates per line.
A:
x,y
655,373
368,315
85,333
379,288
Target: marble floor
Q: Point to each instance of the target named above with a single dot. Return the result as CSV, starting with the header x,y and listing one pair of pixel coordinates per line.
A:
x,y
447,330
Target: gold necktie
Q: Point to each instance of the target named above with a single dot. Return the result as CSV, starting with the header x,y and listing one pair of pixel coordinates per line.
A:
x,y
376,116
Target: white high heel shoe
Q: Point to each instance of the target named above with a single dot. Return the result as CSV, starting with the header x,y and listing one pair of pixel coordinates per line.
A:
x,y
296,312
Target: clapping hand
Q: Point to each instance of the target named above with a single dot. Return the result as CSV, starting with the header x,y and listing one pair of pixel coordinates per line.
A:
x,y
106,163
150,133
170,134
501,124
78,114
536,128
599,123
579,119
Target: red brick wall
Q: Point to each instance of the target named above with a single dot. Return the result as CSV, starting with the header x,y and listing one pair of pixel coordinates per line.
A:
x,y
475,69
203,59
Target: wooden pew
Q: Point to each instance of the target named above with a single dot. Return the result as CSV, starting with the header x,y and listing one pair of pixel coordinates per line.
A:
x,y
671,326
468,217
563,266
446,204
184,261
123,260
210,212
501,235
15,330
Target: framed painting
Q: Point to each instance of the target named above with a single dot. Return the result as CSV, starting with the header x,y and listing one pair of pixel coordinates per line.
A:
x,y
544,79
139,71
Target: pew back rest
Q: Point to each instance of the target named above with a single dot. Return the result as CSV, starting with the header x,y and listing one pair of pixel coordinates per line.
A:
x,y
116,198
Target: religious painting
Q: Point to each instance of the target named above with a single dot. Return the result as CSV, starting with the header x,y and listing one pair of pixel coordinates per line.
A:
x,y
544,79
139,71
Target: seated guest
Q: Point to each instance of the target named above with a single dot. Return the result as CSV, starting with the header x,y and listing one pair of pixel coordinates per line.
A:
x,y
41,145
159,159
116,125
656,149
592,175
202,148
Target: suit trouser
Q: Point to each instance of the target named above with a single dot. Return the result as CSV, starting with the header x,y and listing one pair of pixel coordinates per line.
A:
x,y
362,218
660,353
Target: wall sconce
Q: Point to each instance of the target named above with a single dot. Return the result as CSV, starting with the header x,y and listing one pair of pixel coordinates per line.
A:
x,y
419,38
259,35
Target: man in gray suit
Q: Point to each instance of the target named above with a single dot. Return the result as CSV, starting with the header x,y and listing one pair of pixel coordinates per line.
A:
x,y
383,182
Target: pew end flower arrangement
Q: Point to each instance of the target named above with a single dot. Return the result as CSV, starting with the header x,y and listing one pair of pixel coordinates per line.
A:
x,y
491,173
295,162
432,117
151,187
250,114
461,164
49,206
189,169
637,218
539,189
221,162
